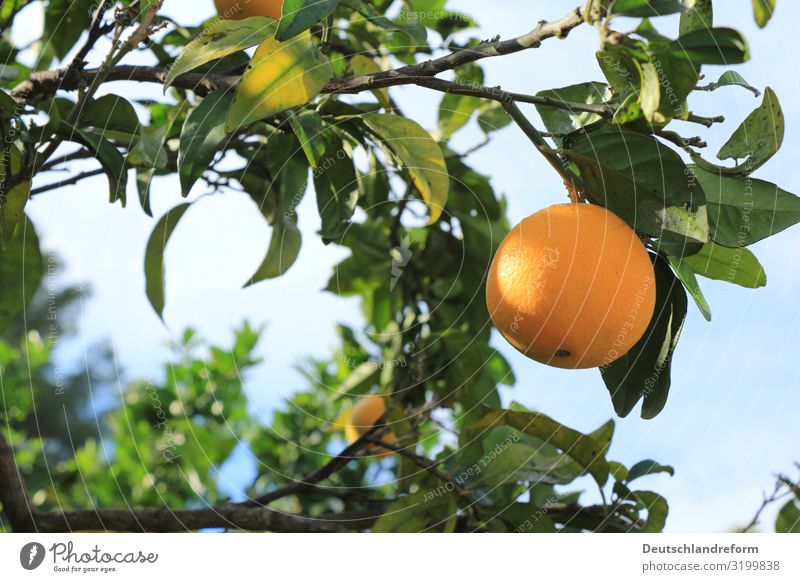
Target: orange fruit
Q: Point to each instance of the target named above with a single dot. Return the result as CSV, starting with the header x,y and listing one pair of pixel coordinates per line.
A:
x,y
572,286
363,417
239,9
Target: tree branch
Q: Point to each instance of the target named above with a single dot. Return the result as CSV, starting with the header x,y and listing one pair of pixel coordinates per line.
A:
x,y
44,84
12,491
68,182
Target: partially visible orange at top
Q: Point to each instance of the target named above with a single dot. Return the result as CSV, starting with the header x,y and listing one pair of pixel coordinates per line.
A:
x,y
239,9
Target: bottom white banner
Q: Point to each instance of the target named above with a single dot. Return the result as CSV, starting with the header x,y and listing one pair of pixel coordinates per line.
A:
x,y
396,557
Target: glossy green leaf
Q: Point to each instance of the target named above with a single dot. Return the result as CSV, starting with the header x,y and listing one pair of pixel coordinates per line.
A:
x,y
645,370
580,447
300,15
154,256
492,117
224,38
646,8
763,11
336,186
280,76
712,46
283,251
21,271
738,266
418,153
742,211
202,136
758,138
110,113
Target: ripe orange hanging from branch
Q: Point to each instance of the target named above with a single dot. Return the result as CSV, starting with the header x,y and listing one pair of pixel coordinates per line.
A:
x,y
239,9
572,286
363,417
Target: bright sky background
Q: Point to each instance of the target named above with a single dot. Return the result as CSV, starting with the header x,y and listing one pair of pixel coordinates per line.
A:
x,y
732,417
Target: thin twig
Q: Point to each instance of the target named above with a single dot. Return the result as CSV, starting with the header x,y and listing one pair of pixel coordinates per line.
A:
x,y
68,182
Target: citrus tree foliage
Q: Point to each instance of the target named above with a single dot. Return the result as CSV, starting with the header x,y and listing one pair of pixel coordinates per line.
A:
x,y
301,107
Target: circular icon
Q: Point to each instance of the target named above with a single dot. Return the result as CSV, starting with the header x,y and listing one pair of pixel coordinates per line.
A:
x,y
31,555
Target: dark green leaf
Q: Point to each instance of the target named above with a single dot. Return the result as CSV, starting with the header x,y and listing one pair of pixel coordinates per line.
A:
x,y
742,211
13,201
201,137
642,181
300,15
712,46
579,447
645,370
21,271
336,185
307,126
647,467
492,117
729,78
110,113
154,256
64,23
620,70
455,111
109,157
425,510
758,138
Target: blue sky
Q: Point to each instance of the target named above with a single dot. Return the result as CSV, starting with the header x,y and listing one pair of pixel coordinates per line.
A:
x,y
731,420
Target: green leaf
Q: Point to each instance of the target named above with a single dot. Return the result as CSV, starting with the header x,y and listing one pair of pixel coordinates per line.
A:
x,y
282,253
620,70
758,138
657,510
280,76
307,126
418,153
563,121
763,11
111,113
738,266
729,78
423,511
492,117
647,467
201,137
300,15
455,111
64,23
14,201
223,38
413,31
687,276
646,8
788,520
21,271
712,46
336,185
109,157
580,447
743,211
643,182
359,381
144,179
699,15
154,256
645,370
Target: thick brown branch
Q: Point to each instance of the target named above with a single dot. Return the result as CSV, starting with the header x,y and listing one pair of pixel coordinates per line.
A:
x,y
12,491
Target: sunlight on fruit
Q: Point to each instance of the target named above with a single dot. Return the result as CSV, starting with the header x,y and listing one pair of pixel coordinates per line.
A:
x,y
363,417
572,286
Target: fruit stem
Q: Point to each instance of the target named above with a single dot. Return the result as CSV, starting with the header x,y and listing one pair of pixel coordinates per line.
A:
x,y
560,165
